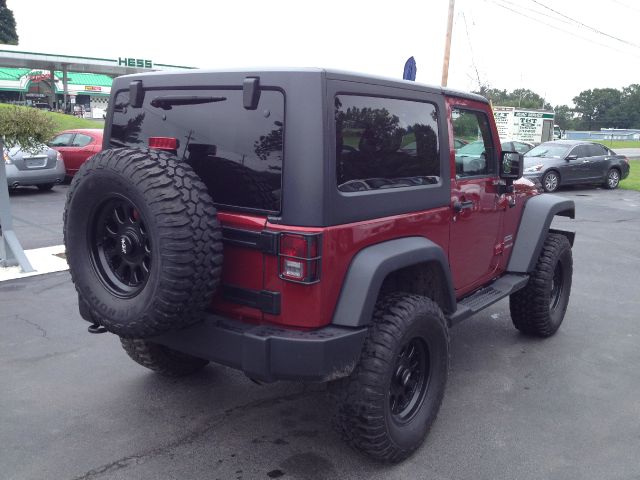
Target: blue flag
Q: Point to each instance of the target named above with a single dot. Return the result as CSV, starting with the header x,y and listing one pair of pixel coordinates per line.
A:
x,y
410,70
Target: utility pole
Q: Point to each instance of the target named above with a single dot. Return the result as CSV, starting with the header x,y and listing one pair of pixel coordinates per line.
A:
x,y
447,45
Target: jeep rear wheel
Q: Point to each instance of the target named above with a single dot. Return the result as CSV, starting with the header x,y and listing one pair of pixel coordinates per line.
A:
x,y
161,359
387,405
142,241
538,309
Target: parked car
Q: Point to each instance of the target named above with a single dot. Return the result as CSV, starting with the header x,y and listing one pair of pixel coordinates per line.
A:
x,y
43,168
76,146
516,146
471,157
458,143
571,162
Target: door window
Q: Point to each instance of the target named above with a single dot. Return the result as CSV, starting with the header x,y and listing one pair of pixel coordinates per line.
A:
x,y
81,140
477,158
595,150
580,151
61,140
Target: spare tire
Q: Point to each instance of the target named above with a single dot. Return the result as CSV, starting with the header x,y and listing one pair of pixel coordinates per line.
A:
x,y
142,241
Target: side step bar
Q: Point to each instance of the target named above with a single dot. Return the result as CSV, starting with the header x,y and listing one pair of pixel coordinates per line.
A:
x,y
481,299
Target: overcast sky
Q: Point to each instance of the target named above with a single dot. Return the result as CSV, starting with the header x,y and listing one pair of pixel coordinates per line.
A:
x,y
504,44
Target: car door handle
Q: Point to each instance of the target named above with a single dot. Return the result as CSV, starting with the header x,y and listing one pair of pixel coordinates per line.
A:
x,y
459,206
586,161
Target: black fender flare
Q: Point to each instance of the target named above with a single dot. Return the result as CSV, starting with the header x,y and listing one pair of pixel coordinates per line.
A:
x,y
534,225
370,267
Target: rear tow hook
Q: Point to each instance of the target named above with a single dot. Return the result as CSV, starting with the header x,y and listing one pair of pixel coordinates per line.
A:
x,y
96,328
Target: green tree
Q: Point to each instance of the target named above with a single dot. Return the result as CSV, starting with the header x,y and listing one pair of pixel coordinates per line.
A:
x,y
564,117
628,112
8,32
599,108
521,98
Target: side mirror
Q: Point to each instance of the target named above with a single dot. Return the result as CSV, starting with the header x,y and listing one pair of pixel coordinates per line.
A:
x,y
511,165
571,157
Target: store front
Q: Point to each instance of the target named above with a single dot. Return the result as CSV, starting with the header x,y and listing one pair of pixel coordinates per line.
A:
x,y
88,93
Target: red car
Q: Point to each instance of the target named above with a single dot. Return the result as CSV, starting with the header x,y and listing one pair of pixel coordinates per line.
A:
x,y
76,146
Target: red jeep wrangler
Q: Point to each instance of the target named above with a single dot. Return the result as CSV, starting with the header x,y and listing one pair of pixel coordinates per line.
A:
x,y
310,225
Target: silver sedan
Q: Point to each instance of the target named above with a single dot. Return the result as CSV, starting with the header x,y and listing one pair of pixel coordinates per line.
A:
x,y
43,168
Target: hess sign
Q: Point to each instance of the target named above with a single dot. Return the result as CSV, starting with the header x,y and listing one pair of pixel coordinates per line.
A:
x,y
135,62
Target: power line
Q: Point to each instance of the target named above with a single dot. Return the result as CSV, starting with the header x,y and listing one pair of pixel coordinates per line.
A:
x,y
473,59
495,2
585,25
625,5
537,12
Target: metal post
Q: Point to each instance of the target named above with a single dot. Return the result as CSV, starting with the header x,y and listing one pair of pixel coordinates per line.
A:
x,y
65,87
447,45
53,87
11,252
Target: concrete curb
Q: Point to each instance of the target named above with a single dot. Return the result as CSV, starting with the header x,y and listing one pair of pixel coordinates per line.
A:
x,y
44,260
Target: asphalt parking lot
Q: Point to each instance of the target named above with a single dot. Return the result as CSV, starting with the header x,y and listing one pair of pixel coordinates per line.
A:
x,y
73,406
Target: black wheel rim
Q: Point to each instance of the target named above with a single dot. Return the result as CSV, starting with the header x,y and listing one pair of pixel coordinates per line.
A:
x,y
410,380
556,286
120,247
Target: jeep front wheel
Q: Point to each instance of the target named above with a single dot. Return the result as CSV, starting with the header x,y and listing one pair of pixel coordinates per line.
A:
x,y
538,309
142,240
387,405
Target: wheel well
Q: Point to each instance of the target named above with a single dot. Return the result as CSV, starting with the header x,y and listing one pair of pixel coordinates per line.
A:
x,y
424,279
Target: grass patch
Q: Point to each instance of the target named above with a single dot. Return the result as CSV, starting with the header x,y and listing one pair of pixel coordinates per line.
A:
x,y
66,122
617,143
632,182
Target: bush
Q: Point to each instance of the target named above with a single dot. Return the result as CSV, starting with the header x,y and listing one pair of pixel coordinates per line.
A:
x,y
27,127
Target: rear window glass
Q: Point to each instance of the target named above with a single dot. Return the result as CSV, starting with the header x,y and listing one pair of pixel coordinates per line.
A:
x,y
385,143
238,153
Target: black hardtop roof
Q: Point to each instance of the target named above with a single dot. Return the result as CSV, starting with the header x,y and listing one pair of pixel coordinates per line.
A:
x,y
329,73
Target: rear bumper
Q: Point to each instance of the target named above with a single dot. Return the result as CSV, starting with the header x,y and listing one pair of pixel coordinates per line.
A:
x,y
271,353
38,176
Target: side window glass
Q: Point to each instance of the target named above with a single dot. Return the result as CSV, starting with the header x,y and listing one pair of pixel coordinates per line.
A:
x,y
61,140
477,157
595,150
385,143
580,151
81,140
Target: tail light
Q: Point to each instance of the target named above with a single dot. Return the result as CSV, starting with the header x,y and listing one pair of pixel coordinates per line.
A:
x,y
163,143
626,160
299,256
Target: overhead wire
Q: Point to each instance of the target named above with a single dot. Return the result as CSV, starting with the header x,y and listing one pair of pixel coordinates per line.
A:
x,y
500,4
473,59
593,29
627,6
